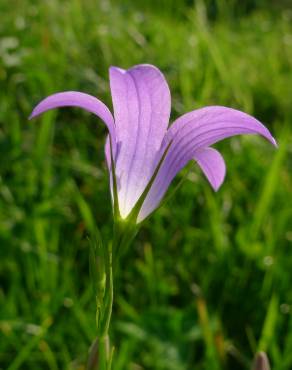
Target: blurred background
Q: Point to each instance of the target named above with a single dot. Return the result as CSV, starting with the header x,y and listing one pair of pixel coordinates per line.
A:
x,y
208,280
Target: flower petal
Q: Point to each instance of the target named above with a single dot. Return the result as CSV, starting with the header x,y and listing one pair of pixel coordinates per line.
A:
x,y
208,124
189,134
141,101
77,99
212,165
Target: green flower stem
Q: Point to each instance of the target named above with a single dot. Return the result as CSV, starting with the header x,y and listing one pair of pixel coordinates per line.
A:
x,y
104,353
104,262
104,358
103,266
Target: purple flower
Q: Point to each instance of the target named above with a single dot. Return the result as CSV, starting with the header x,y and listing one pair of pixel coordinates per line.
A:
x,y
147,154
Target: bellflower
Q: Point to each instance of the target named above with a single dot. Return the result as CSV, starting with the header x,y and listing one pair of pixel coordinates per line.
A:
x,y
143,152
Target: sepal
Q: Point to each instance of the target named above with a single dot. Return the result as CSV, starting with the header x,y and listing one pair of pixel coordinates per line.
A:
x,y
97,270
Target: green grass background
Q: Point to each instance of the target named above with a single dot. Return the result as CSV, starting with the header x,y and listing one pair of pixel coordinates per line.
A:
x,y
208,281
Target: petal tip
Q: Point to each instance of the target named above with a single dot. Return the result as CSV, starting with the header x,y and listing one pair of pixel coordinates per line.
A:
x,y
217,185
146,66
32,115
113,69
274,142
